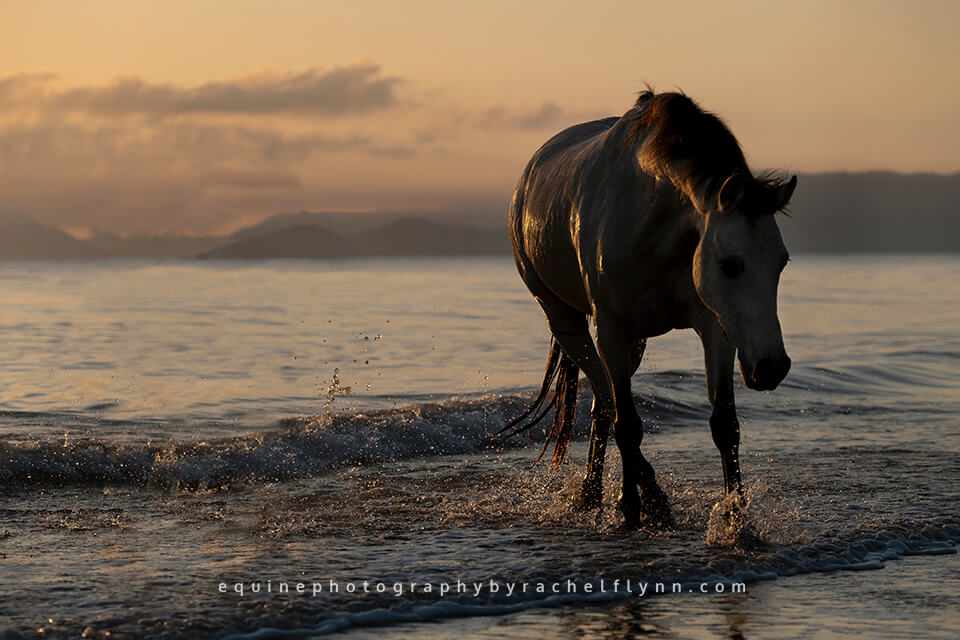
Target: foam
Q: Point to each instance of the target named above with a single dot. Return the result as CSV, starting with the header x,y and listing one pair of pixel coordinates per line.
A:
x,y
303,447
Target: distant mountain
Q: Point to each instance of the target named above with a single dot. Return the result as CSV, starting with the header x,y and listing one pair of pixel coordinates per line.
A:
x,y
874,212
878,212
399,237
23,238
338,222
419,237
301,241
151,246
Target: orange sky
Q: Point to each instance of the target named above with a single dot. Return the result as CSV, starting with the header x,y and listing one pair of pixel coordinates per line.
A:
x,y
198,117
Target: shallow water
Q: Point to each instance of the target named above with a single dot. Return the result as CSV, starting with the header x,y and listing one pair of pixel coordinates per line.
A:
x,y
171,426
906,600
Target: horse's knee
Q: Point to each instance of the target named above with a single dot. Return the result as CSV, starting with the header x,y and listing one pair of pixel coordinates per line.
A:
x,y
628,434
724,427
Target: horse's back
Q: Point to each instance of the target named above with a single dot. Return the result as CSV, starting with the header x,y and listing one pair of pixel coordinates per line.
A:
x,y
540,226
572,136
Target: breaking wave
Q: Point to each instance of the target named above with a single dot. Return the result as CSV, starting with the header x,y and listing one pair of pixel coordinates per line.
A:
x,y
299,447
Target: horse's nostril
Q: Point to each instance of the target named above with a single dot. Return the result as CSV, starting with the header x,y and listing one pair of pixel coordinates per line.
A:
x,y
770,371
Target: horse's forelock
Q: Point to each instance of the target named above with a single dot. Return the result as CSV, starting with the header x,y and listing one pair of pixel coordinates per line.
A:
x,y
762,196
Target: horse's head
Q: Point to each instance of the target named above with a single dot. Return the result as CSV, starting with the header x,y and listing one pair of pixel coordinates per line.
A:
x,y
736,270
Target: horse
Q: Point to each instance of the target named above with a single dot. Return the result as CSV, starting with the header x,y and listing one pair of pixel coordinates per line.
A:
x,y
647,223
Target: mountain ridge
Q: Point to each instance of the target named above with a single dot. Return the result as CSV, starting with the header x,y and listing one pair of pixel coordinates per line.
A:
x,y
407,236
836,212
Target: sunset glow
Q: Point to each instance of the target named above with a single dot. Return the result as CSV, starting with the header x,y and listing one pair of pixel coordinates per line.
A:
x,y
178,117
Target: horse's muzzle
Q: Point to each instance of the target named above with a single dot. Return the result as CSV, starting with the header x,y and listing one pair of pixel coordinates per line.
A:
x,y
767,374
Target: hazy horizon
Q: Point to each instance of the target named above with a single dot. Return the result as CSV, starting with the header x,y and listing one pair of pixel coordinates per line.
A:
x,y
155,119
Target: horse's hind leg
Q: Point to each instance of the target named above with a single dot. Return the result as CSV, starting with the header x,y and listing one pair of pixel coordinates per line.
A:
x,y
569,327
641,499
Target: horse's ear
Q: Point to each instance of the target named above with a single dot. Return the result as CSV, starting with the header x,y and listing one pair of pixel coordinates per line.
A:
x,y
784,193
731,193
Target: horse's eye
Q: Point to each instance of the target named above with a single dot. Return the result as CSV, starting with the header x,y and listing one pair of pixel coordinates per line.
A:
x,y
731,267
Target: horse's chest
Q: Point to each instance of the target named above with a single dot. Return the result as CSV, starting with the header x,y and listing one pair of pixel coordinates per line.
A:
x,y
654,304
655,318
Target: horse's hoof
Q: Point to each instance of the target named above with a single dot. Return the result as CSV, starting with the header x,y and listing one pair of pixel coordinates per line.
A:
x,y
642,518
657,521
732,509
661,518
657,508
647,511
632,515
628,526
589,497
733,515
586,503
729,526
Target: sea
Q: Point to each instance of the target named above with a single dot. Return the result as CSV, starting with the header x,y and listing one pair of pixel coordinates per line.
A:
x,y
292,449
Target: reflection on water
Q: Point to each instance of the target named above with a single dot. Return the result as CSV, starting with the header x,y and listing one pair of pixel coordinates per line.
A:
x,y
162,429
915,597
238,344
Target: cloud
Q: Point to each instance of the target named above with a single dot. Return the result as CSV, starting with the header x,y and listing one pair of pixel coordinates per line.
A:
x,y
344,90
247,177
548,115
50,144
136,156
132,177
21,87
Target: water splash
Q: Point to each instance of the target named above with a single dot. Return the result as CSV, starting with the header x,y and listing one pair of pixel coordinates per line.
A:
x,y
758,519
336,389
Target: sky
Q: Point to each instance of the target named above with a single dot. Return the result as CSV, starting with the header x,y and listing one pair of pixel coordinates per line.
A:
x,y
202,117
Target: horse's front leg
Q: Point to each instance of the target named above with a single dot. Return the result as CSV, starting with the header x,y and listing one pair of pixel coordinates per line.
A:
x,y
724,425
642,501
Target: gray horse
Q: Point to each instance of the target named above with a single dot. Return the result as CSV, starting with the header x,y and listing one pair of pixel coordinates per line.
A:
x,y
649,222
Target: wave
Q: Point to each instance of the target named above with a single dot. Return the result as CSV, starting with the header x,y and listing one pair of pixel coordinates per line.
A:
x,y
306,446
312,445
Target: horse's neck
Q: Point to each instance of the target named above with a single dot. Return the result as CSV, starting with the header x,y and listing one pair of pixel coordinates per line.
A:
x,y
669,226
645,211
629,147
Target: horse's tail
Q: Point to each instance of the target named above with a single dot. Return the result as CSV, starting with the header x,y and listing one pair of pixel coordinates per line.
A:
x,y
564,403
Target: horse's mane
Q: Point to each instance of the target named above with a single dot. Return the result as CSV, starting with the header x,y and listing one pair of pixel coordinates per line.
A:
x,y
677,140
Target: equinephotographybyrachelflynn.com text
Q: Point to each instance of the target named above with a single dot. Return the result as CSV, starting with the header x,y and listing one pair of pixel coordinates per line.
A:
x,y
506,588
